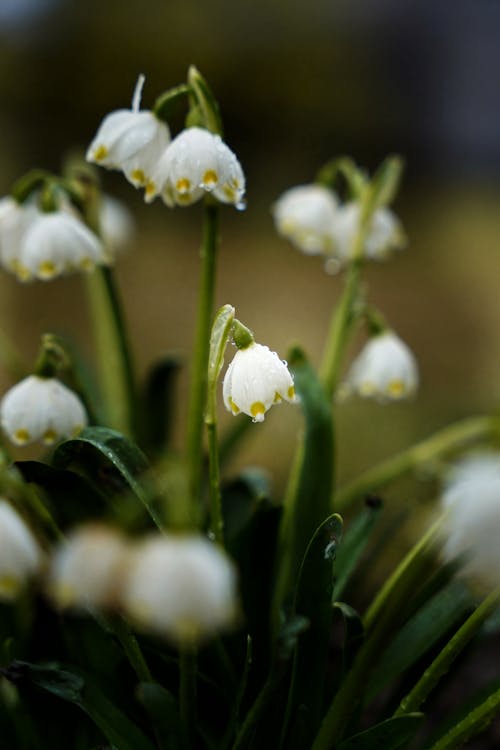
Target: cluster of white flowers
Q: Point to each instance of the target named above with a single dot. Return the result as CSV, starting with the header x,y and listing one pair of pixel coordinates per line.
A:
x,y
181,587
314,220
37,244
255,380
385,370
40,409
471,526
181,171
20,555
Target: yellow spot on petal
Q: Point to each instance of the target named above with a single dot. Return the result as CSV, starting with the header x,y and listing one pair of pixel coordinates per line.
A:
x,y
64,594
100,153
291,393
183,185
210,179
277,398
23,273
138,176
49,436
76,430
257,410
367,388
229,193
235,409
47,269
150,189
86,264
9,586
396,388
21,436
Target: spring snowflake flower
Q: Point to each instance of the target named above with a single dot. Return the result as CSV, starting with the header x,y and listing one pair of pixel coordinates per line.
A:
x,y
385,233
41,409
87,569
131,140
471,526
115,223
255,380
306,216
385,369
20,555
181,587
15,219
195,163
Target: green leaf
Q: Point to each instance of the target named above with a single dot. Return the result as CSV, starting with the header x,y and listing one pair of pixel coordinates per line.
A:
x,y
353,632
313,601
240,500
166,105
111,461
163,710
206,103
354,542
431,623
159,403
388,735
219,337
470,724
385,182
118,729
343,172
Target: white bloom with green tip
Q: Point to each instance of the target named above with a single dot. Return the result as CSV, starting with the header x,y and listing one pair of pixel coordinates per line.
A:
x,y
20,555
195,163
181,587
41,409
306,216
87,568
385,369
15,219
471,526
131,140
384,235
115,223
255,380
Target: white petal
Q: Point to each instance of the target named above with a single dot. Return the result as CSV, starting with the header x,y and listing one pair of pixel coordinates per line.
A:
x,y
20,555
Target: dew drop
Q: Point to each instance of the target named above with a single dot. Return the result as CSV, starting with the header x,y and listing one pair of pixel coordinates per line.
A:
x,y
241,205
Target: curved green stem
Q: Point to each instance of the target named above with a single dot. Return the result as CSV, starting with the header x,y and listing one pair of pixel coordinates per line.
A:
x,y
187,693
441,664
476,721
131,648
198,388
114,358
449,439
216,519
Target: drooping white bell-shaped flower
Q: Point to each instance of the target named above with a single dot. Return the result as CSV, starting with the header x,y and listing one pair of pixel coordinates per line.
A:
x,y
181,587
306,216
385,369
116,224
131,140
471,525
255,380
57,243
87,568
384,235
20,554
195,163
41,409
15,219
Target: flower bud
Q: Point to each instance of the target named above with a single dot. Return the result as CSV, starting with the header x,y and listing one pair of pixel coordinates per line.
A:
x,y
306,216
20,555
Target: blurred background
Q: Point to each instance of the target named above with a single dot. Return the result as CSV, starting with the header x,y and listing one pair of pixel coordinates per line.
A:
x,y
298,84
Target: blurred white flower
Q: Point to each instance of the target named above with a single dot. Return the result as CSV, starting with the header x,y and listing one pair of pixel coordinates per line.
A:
x,y
306,216
87,568
41,409
116,224
471,526
15,219
131,140
20,555
385,369
56,243
385,233
195,163
255,380
181,587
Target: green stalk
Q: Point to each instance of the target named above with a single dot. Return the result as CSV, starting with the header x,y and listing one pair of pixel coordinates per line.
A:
x,y
449,439
198,388
441,664
379,622
114,359
187,693
216,519
131,648
474,723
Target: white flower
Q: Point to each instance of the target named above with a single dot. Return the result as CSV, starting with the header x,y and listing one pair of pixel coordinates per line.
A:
x,y
385,369
87,568
115,223
131,140
255,380
56,243
384,234
198,162
181,587
20,555
41,409
306,215
15,218
471,526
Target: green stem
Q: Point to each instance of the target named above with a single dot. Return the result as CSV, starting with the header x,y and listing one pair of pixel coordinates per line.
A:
x,y
254,715
441,664
445,441
11,358
187,693
384,613
476,721
216,518
114,359
132,649
198,387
